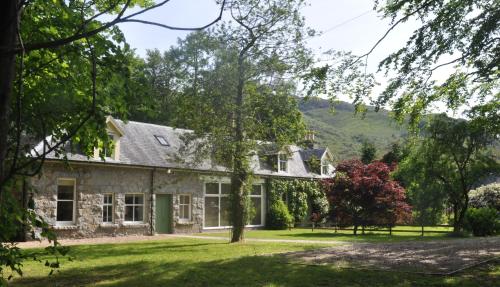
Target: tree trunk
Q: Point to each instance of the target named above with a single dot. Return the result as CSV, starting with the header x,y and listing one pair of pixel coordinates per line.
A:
x,y
240,173
8,39
355,229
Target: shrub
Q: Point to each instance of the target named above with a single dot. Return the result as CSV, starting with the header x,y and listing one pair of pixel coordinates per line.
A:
x,y
482,221
279,217
486,196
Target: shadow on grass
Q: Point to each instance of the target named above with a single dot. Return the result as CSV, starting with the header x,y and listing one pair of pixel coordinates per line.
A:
x,y
247,271
368,237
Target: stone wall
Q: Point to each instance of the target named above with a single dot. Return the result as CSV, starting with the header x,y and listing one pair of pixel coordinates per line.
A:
x,y
92,181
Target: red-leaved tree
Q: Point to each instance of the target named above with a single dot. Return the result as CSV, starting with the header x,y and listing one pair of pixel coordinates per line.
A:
x,y
365,195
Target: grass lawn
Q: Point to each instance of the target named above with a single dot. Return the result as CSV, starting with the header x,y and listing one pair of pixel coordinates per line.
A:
x,y
399,233
198,262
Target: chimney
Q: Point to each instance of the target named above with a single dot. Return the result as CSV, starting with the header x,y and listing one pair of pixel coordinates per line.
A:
x,y
309,139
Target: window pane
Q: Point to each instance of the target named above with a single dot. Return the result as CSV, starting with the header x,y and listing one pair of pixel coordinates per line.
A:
x,y
184,212
225,188
129,199
257,211
256,189
107,214
65,211
107,199
138,213
212,188
139,199
65,192
184,199
211,211
225,208
129,213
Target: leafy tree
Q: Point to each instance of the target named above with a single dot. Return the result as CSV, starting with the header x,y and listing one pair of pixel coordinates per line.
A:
x,y
461,34
426,195
486,196
394,155
363,195
368,152
258,52
453,158
62,70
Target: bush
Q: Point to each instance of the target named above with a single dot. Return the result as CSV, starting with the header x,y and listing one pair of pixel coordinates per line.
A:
x,y
482,221
279,217
486,196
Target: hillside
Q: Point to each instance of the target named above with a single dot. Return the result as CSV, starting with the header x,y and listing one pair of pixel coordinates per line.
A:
x,y
343,131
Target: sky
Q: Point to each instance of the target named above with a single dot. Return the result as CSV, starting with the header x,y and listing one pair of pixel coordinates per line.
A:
x,y
347,25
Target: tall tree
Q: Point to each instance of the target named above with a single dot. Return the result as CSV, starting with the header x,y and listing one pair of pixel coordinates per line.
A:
x,y
30,28
454,155
263,50
62,70
368,152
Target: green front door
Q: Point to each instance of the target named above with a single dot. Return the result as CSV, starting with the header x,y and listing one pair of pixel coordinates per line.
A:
x,y
163,213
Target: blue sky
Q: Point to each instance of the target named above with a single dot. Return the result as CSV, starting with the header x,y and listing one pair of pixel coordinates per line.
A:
x,y
349,25
356,35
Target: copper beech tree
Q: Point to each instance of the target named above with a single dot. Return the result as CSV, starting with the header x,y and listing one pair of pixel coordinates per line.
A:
x,y
362,195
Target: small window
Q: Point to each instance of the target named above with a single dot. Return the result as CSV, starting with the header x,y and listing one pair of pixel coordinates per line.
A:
x,y
109,150
324,169
134,207
162,140
107,208
65,201
184,207
282,162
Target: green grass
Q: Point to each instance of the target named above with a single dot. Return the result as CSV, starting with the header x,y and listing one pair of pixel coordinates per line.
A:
x,y
192,262
400,233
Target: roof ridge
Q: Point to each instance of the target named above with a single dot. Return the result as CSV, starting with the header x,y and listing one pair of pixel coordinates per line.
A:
x,y
151,124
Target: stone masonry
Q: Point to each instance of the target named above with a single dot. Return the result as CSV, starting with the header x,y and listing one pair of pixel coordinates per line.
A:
x,y
92,181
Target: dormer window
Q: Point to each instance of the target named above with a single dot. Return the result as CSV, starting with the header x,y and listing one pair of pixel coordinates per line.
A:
x,y
112,149
282,162
325,169
162,140
109,150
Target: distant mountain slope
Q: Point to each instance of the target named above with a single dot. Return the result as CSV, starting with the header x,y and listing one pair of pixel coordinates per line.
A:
x,y
343,131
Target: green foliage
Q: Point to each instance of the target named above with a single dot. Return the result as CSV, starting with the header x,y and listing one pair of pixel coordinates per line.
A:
x,y
450,160
468,30
314,164
17,220
368,152
486,196
278,216
483,221
426,195
304,197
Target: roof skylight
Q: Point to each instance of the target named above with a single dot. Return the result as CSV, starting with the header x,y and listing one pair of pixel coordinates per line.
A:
x,y
162,140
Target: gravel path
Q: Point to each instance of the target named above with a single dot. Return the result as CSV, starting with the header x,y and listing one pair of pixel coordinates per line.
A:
x,y
429,257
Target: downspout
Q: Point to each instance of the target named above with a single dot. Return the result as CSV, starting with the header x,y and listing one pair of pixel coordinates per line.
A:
x,y
151,228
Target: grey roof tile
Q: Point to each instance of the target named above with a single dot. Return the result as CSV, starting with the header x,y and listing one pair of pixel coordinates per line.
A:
x,y
139,147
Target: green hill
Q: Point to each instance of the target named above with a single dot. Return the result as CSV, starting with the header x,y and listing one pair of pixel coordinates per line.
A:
x,y
343,131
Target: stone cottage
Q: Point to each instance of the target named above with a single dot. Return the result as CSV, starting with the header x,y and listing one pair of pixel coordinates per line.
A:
x,y
142,188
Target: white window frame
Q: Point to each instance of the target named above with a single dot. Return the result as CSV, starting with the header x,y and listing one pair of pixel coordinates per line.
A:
x,y
67,180
112,137
325,164
219,195
133,210
112,204
279,162
262,207
189,204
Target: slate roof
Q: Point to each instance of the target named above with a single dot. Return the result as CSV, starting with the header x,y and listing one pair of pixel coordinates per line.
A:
x,y
140,147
